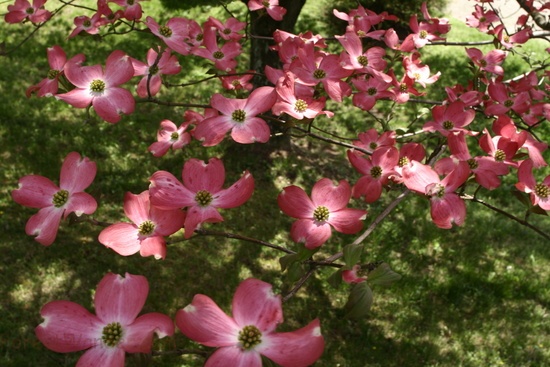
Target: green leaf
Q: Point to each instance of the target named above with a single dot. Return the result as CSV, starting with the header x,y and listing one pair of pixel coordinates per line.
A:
x,y
336,278
522,197
352,255
359,301
383,275
287,260
295,271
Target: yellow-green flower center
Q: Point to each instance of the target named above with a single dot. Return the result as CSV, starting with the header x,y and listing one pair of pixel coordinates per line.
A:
x,y
472,163
499,155
483,63
238,116
438,190
199,37
153,69
236,83
372,91
87,23
227,31
97,86
52,74
319,74
165,31
249,337
376,172
203,197
423,34
542,191
403,161
265,3
60,198
448,125
509,103
29,10
373,145
362,59
300,106
112,334
174,136
130,2
321,214
146,228
403,87
218,55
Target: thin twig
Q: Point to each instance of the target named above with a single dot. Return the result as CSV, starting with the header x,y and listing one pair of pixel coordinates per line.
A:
x,y
205,232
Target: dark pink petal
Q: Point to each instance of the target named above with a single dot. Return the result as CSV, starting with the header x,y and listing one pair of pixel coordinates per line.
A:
x,y
204,322
138,337
153,246
235,195
80,203
113,103
196,215
166,222
300,348
35,192
294,202
56,57
451,209
333,197
313,234
122,238
68,327
79,98
44,225
82,76
457,177
347,220
255,304
260,100
525,174
102,356
198,175
234,356
369,187
119,298
211,131
77,173
227,105
253,130
167,192
418,176
118,69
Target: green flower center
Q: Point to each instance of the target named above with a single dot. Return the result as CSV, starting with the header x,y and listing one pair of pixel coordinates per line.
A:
x,y
362,59
509,103
249,337
87,23
482,19
199,37
165,31
238,116
97,86
321,214
265,3
227,31
483,63
376,172
153,69
146,228
174,136
319,74
499,155
112,334
542,191
361,33
438,190
130,2
300,106
472,163
423,34
60,198
203,198
448,125
506,38
236,83
403,161
372,91
52,74
29,11
218,55
403,87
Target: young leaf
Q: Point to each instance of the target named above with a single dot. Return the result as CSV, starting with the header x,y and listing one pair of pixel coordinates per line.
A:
x,y
359,301
352,255
383,275
336,278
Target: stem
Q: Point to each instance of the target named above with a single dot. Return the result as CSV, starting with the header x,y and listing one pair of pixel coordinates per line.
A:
x,y
299,284
205,232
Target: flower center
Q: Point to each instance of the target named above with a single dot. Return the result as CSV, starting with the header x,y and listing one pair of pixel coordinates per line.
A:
x,y
373,145
87,23
249,337
29,10
361,33
153,69
506,38
300,106
60,198
52,74
376,172
146,228
265,3
174,136
321,214
112,334
362,59
165,31
448,125
203,198
130,2
509,103
236,83
482,19
499,155
483,63
403,161
403,87
199,37
436,190
472,163
319,74
423,34
227,31
238,115
372,91
218,55
97,86
542,191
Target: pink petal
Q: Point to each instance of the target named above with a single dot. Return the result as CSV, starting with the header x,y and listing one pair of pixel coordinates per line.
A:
x,y
311,233
114,102
102,356
138,337
298,348
196,215
226,105
68,327
118,69
167,222
153,246
204,322
77,173
82,76
260,100
44,225
348,221
35,192
333,197
80,203
294,202
211,131
122,238
56,57
79,98
235,195
255,304
168,193
251,131
136,207
198,175
451,209
234,356
119,298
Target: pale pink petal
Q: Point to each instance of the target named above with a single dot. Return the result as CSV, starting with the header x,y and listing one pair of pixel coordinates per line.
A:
x,y
294,202
113,103
234,357
235,195
136,207
260,100
82,76
102,356
255,304
197,215
79,98
34,192
80,203
347,220
68,327
313,234
138,337
333,197
122,238
211,131
418,176
251,131
451,209
118,69
44,225
198,175
226,105
204,322
153,246
166,222
300,348
56,57
168,193
77,173
119,298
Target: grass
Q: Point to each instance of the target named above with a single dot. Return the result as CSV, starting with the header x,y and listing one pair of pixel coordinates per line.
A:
x,y
472,296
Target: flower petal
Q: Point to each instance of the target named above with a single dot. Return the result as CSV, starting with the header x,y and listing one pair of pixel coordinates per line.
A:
x,y
34,191
333,197
122,238
168,193
235,195
312,234
234,357
255,304
138,337
102,356
294,202
77,173
44,225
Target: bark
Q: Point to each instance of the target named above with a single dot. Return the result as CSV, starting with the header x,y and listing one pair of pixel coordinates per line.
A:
x,y
542,21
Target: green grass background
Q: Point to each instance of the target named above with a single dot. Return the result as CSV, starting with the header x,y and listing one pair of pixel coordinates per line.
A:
x,y
477,295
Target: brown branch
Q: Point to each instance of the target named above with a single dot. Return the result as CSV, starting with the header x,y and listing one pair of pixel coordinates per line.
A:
x,y
205,232
542,21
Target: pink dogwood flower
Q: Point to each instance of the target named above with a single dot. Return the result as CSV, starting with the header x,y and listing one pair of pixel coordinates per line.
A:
x,y
539,192
450,118
317,216
250,334
170,136
239,116
101,88
114,331
271,6
87,24
167,64
489,62
354,275
146,233
201,192
22,9
174,33
55,201
223,57
481,19
132,8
